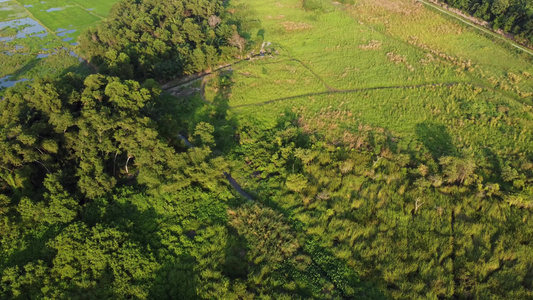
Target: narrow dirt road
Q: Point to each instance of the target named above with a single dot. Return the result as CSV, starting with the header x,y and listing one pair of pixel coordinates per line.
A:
x,y
234,184
471,24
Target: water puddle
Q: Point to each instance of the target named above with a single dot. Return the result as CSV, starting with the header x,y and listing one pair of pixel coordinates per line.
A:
x,y
14,51
26,26
63,32
6,83
54,9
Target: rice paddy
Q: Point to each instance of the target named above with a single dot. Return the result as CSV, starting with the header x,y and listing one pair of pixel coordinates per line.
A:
x,y
39,37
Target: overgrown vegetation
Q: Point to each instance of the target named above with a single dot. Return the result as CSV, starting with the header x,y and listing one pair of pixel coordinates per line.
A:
x,y
383,160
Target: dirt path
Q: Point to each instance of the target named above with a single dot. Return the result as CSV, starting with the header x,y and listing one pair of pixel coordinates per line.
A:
x,y
234,184
352,91
237,187
180,82
175,85
37,20
472,24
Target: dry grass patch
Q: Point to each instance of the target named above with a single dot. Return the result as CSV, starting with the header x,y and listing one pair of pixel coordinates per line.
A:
x,y
296,26
397,6
372,45
399,59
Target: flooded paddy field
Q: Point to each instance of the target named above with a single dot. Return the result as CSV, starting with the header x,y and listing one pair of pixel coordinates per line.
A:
x,y
39,38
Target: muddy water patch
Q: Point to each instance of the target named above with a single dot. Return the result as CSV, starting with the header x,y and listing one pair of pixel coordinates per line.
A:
x,y
54,9
5,81
25,27
64,32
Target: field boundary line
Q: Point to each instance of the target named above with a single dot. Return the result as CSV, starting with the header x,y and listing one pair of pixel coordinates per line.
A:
x,y
37,20
90,12
470,23
397,87
326,85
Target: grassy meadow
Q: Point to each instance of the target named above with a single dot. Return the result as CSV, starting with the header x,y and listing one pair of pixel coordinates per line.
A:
x,y
383,62
384,70
357,82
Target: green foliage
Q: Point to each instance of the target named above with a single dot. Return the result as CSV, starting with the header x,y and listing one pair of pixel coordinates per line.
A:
x,y
163,40
413,184
416,231
269,237
317,5
296,182
511,16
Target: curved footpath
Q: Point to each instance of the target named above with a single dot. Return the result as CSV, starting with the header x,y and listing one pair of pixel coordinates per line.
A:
x,y
236,186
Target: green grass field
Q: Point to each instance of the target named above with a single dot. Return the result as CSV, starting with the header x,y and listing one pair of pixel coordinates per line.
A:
x,y
389,71
378,66
69,15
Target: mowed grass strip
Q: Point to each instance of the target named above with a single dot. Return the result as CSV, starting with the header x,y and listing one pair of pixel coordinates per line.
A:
x,y
98,7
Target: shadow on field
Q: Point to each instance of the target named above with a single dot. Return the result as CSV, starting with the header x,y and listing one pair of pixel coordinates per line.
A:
x,y
436,139
182,114
225,124
175,279
26,68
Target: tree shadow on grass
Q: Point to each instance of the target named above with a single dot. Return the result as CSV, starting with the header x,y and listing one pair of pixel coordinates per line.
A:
x,y
176,279
436,139
225,124
180,115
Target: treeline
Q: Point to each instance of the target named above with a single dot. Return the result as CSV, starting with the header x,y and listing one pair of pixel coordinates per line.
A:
x,y
513,16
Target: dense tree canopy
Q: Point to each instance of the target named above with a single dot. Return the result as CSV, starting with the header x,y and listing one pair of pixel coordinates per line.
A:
x,y
88,131
514,16
161,39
